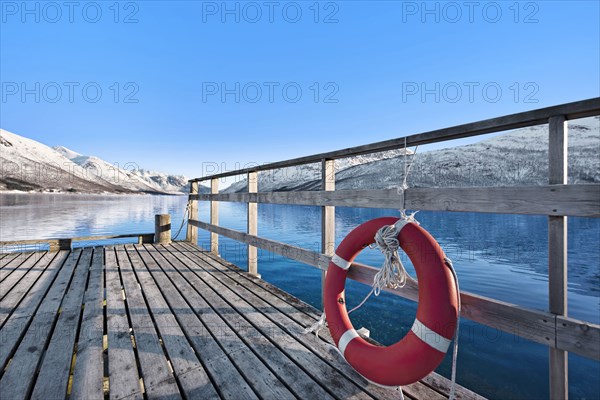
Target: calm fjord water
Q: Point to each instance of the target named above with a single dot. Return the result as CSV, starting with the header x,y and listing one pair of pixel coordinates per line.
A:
x,y
498,256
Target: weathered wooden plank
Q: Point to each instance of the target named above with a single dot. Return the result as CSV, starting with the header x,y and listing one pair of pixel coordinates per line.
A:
x,y
252,223
8,257
19,376
216,360
298,315
443,385
264,352
88,373
37,261
557,252
159,382
162,228
214,217
293,252
16,264
579,337
276,316
75,239
122,366
215,317
33,315
559,199
327,216
254,309
13,295
53,376
188,369
578,109
192,231
534,325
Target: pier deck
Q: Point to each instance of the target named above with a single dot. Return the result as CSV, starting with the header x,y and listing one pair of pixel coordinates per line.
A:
x,y
165,322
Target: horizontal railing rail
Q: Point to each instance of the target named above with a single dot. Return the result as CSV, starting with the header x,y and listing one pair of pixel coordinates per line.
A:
x,y
66,243
571,200
557,200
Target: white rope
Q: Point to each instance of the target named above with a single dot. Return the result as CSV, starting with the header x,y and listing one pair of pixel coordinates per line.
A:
x,y
317,326
455,349
185,216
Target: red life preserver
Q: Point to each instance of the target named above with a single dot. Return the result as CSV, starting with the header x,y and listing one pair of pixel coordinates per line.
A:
x,y
423,348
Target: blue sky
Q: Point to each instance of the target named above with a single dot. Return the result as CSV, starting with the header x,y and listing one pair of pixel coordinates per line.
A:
x,y
187,85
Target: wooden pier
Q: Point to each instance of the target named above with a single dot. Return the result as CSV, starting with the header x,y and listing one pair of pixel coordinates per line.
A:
x,y
165,322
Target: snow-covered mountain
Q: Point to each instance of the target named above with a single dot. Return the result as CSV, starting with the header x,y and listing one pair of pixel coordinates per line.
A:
x,y
519,157
306,176
28,165
128,175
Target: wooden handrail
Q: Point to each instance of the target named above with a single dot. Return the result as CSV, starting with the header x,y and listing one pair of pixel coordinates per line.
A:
x,y
65,243
557,200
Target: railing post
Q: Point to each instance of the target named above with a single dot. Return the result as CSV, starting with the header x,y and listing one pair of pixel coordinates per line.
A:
x,y
162,228
192,231
557,254
327,215
214,216
253,224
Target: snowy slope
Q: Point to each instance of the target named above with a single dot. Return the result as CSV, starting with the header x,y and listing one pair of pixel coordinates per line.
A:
x,y
518,157
29,165
131,178
304,177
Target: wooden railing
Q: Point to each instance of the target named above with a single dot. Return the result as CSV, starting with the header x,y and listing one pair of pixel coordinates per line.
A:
x,y
57,244
557,200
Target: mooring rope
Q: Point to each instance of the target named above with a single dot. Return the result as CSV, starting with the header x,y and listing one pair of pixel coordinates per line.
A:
x,y
185,217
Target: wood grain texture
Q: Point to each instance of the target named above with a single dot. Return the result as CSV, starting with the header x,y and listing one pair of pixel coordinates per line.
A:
x,y
53,376
327,216
172,306
159,382
11,294
204,338
190,372
252,223
214,217
245,346
295,315
36,313
248,316
124,381
557,253
89,366
578,337
19,376
192,232
162,228
286,250
557,200
74,239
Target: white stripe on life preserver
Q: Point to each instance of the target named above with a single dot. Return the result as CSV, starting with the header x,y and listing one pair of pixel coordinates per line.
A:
x,y
345,339
401,223
340,262
433,339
